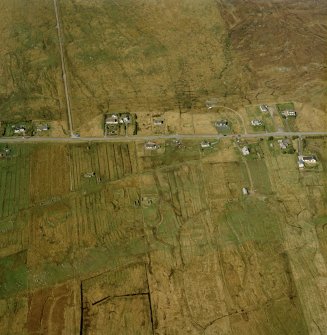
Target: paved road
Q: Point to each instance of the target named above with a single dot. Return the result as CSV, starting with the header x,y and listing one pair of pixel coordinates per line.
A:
x,y
63,69
36,139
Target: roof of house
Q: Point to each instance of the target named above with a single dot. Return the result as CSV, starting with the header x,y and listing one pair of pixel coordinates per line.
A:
x,y
222,123
151,145
309,158
112,118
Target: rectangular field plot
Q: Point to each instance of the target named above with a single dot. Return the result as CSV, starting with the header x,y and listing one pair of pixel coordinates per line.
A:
x,y
52,310
13,315
224,181
13,269
49,173
260,176
14,234
248,220
90,164
117,301
14,181
108,218
128,280
128,315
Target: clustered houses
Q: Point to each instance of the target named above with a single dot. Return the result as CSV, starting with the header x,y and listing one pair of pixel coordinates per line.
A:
x,y
124,118
115,120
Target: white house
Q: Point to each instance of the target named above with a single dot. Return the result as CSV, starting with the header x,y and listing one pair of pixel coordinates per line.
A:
x,y
222,124
151,146
112,119
309,159
264,108
256,123
288,113
245,191
125,118
245,151
205,144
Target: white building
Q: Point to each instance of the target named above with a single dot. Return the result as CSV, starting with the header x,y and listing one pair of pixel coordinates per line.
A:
x,y
289,113
256,123
245,151
112,119
245,191
306,160
151,146
222,124
125,118
309,159
264,108
20,130
205,144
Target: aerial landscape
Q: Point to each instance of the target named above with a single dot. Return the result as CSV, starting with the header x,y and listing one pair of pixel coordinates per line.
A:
x,y
163,167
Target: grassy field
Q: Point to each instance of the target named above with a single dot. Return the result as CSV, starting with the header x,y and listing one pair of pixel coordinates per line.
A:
x,y
171,244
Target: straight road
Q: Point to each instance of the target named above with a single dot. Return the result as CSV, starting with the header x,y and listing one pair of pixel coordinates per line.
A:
x,y
63,69
36,139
